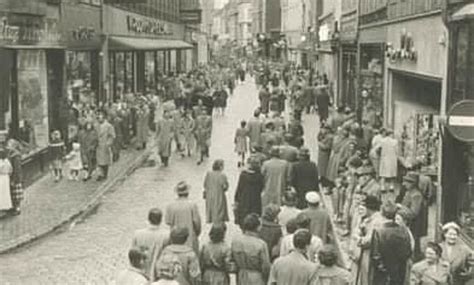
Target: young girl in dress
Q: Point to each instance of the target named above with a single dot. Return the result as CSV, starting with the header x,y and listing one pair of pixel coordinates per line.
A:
x,y
75,162
241,142
5,171
56,147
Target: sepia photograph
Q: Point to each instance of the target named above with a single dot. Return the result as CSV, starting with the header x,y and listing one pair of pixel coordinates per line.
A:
x,y
236,142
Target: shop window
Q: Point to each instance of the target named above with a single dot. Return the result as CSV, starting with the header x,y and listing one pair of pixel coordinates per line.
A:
x,y
78,76
33,100
150,67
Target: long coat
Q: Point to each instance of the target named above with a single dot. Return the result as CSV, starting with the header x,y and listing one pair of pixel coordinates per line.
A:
x,y
304,177
215,186
338,155
106,137
251,257
215,260
388,157
324,152
320,222
184,213
203,131
255,130
275,172
390,251
164,136
248,194
322,100
417,208
88,139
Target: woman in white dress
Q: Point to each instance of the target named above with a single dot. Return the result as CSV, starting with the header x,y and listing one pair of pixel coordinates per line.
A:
x,y
388,160
5,171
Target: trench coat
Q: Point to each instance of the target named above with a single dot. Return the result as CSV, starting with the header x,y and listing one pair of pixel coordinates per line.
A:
x,y
292,269
304,178
106,137
388,157
203,131
276,173
88,139
320,222
215,186
251,258
255,129
215,260
184,213
164,136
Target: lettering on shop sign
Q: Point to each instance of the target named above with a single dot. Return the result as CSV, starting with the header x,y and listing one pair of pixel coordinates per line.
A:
x,y
29,32
83,33
146,26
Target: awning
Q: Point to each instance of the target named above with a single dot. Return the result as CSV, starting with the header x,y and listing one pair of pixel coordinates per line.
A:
x,y
465,13
129,43
34,47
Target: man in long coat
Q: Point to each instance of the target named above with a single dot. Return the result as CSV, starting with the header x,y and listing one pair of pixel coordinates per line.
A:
x,y
320,221
106,135
322,101
304,177
275,172
164,136
203,132
184,213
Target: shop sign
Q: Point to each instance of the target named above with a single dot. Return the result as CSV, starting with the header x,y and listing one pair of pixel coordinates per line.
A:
x,y
190,16
26,31
147,26
83,33
461,120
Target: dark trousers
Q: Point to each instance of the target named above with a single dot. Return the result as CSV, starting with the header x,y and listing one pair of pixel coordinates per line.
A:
x,y
105,170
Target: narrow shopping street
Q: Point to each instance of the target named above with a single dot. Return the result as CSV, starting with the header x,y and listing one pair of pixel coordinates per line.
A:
x,y
92,250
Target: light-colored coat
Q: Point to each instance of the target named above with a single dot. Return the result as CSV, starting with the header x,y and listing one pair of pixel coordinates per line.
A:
x,y
106,134
215,186
388,157
276,173
164,136
255,129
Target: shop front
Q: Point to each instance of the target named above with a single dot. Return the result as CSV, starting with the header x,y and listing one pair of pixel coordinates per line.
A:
x,y
328,44
32,65
141,50
370,91
457,175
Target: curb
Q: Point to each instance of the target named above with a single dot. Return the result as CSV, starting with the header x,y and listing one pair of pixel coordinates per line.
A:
x,y
81,209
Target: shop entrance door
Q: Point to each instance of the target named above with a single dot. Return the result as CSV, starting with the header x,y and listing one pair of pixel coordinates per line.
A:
x,y
58,111
349,77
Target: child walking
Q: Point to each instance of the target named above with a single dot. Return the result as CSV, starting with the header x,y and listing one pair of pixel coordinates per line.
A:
x,y
241,142
74,160
56,147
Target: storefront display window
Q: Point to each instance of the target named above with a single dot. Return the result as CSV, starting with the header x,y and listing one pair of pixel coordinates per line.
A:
x,y
78,68
150,68
33,100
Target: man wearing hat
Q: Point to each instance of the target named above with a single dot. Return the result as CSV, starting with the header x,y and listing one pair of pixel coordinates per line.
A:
x,y
320,222
416,206
368,184
304,176
184,213
275,172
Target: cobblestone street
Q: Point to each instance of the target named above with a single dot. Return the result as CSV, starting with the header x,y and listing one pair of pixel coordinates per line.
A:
x,y
94,249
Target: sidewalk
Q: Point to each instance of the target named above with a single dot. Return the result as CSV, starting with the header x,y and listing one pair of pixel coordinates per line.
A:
x,y
49,205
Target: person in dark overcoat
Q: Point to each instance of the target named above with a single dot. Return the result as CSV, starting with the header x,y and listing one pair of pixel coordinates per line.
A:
x,y
322,102
248,197
304,176
88,139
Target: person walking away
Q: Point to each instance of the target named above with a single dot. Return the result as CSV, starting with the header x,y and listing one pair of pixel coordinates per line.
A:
x,y
250,254
388,160
16,177
184,213
294,268
222,100
325,140
255,129
215,187
6,170
134,274
339,146
287,151
74,162
152,240
106,137
372,221
57,149
164,135
264,97
187,131
248,197
374,153
288,211
190,273
457,254
432,270
240,141
203,134
304,176
415,204
391,249
275,172
322,102
329,273
320,220
215,258
270,231
117,146
88,140
142,126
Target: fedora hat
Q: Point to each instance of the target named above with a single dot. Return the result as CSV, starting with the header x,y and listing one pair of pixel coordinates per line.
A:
x,y
182,187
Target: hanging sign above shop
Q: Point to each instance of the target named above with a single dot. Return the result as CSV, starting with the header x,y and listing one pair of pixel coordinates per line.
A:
x,y
28,30
147,26
461,120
